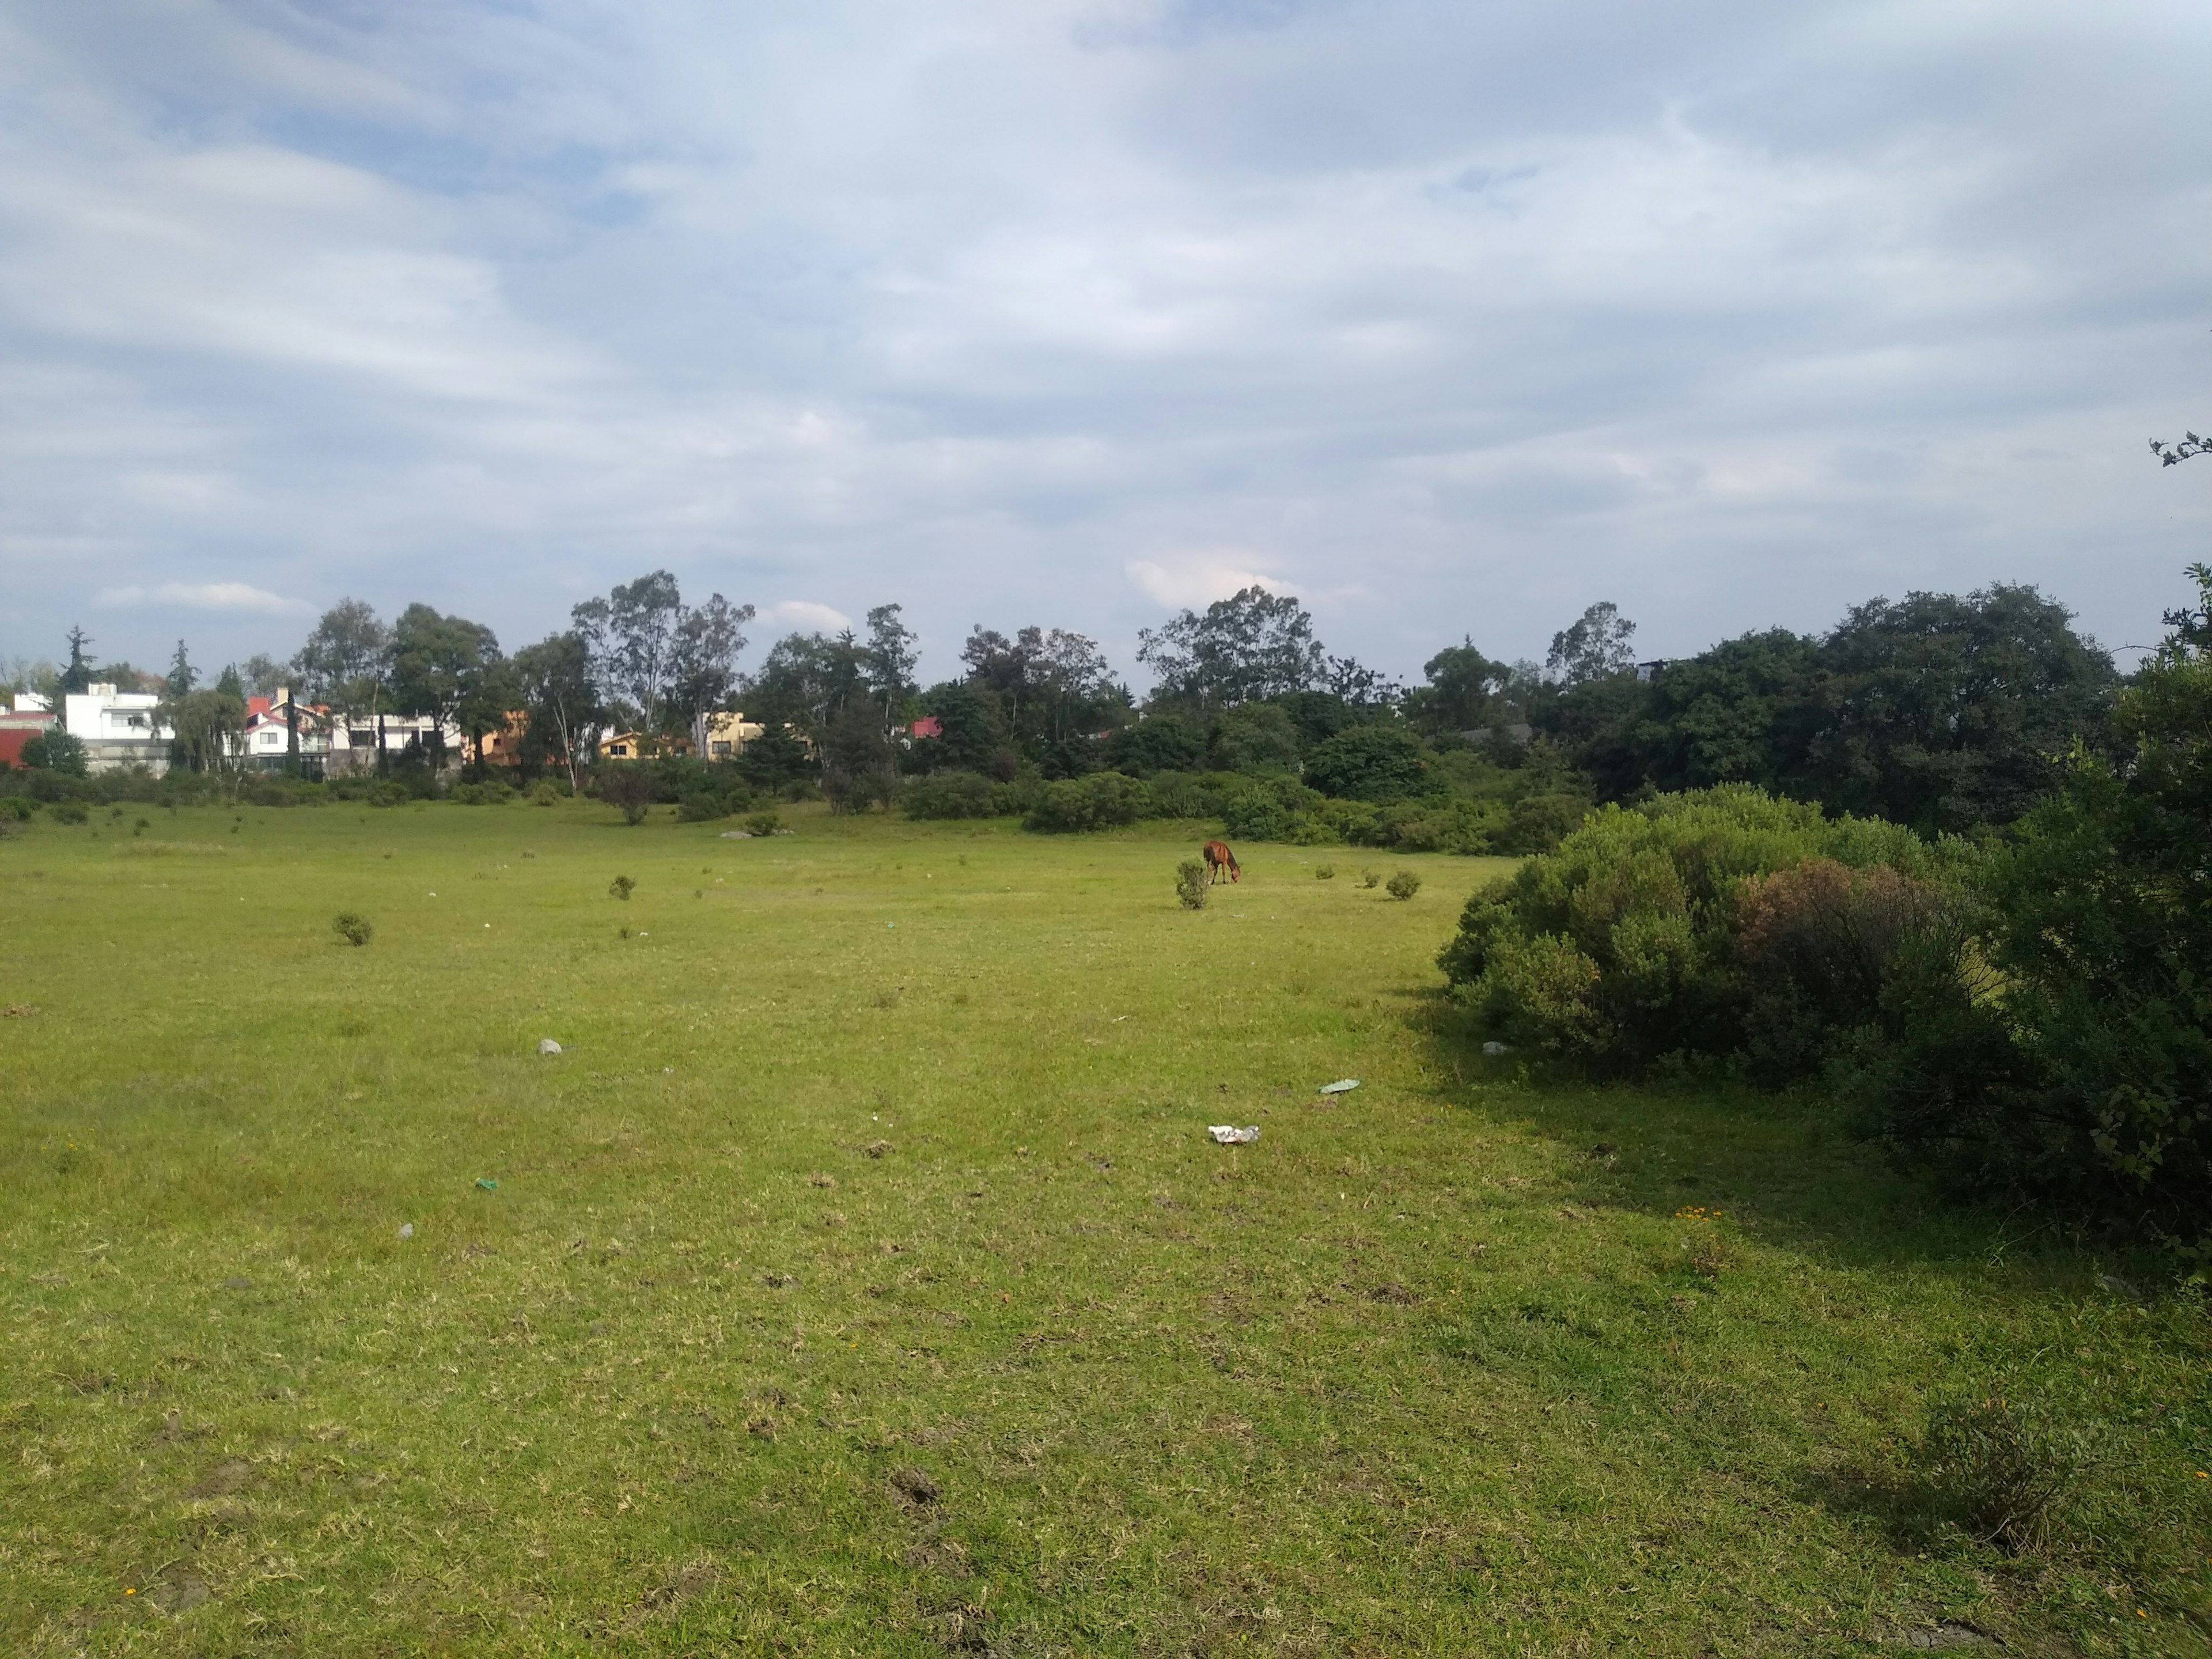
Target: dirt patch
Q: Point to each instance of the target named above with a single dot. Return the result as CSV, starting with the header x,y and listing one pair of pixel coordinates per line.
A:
x,y
232,1474
916,1487
1394,1292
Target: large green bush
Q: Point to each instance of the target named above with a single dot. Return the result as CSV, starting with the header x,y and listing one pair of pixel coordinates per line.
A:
x,y
1369,761
1620,946
1099,801
950,796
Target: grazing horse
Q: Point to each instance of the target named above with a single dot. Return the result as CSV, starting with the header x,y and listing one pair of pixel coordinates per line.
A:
x,y
1218,858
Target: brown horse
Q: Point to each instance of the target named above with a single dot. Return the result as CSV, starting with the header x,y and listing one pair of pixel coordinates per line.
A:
x,y
1218,858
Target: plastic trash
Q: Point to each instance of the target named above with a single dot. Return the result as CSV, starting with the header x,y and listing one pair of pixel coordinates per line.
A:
x,y
547,1046
407,1230
1494,1048
488,1184
1343,1085
1229,1135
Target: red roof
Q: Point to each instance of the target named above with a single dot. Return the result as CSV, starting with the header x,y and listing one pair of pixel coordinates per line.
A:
x,y
258,706
929,726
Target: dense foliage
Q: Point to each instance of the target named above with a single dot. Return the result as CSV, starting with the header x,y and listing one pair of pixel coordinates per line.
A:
x,y
2083,1068
1702,924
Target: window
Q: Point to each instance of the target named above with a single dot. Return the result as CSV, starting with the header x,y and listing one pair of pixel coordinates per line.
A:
x,y
718,750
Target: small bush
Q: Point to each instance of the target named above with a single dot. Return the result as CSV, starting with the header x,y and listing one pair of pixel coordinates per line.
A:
x,y
1370,878
703,806
632,788
1325,873
353,928
546,793
15,807
764,824
621,887
69,811
2000,1466
1191,884
1403,885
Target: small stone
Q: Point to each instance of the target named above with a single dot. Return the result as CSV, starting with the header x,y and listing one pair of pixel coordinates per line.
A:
x,y
547,1046
1493,1048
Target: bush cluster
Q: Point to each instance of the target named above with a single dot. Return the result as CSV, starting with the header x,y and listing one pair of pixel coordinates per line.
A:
x,y
1724,922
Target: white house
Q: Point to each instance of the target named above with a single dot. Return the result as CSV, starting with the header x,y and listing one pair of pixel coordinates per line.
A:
x,y
117,728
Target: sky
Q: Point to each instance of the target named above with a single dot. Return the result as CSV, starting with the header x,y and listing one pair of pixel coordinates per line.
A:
x,y
1448,316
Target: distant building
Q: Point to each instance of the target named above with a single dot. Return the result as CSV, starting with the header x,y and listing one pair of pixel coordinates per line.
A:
x,y
1649,671
723,737
117,728
928,727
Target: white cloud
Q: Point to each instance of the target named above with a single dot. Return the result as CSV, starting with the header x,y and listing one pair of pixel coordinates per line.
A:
x,y
1476,314
1199,579
804,616
207,596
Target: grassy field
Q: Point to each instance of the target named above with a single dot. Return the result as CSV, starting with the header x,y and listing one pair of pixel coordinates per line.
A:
x,y
859,1277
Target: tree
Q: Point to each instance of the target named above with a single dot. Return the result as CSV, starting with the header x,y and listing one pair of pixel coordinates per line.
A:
x,y
969,730
2172,454
1945,713
553,681
264,675
55,749
1595,647
807,679
346,664
2083,1068
858,763
632,637
703,659
1465,690
210,730
182,674
1252,645
77,677
891,657
1369,761
440,666
1158,743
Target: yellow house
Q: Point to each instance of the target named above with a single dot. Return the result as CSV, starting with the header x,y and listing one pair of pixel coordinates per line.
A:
x,y
629,746
724,737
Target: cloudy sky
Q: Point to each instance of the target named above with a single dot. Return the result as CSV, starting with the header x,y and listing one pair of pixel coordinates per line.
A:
x,y
1448,316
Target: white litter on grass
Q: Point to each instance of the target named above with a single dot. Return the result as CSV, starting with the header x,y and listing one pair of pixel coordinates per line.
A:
x,y
737,835
547,1046
1343,1085
407,1230
1495,1048
1229,1135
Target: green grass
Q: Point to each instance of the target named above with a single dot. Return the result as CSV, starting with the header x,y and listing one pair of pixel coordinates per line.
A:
x,y
1436,1366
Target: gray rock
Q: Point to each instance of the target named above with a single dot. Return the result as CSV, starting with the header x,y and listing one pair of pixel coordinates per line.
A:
x,y
547,1046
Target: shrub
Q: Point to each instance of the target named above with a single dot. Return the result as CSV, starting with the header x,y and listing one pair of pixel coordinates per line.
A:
x,y
1270,809
703,806
55,750
951,795
68,811
764,824
1619,946
622,887
633,788
1403,885
1187,794
546,792
1192,884
1162,743
353,927
1371,878
15,807
2000,1465
1325,873
1538,823
1097,802
390,793
1814,947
